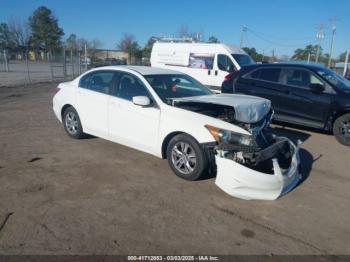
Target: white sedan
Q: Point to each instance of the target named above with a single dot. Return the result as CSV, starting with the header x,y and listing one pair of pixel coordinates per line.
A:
x,y
171,115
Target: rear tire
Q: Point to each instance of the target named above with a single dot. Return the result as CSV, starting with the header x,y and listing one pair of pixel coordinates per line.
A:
x,y
72,124
186,157
341,129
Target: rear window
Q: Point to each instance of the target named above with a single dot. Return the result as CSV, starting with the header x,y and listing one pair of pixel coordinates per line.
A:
x,y
266,74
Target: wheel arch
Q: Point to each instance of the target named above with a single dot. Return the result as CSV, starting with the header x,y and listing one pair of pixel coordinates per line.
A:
x,y
170,136
167,140
340,113
64,109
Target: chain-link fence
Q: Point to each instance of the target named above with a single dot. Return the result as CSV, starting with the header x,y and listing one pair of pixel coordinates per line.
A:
x,y
24,70
29,67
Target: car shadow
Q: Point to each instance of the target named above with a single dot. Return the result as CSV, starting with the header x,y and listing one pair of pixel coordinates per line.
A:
x,y
305,128
292,134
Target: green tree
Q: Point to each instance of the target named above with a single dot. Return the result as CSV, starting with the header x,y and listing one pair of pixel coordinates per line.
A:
x,y
46,32
146,51
342,57
6,37
213,39
254,54
303,53
71,42
129,45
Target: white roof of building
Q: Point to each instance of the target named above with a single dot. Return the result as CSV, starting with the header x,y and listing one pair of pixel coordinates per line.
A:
x,y
143,70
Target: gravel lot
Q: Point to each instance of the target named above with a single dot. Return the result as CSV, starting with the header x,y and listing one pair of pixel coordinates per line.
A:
x,y
63,196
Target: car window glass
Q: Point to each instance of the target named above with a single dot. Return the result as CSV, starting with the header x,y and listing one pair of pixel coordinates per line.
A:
x,y
224,63
169,87
201,61
315,80
298,77
130,86
84,81
243,59
98,81
270,74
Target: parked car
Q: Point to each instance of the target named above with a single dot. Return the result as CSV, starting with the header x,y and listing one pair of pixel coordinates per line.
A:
x,y
307,95
171,115
208,63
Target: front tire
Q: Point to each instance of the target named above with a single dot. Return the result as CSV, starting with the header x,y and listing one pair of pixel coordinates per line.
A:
x,y
72,124
341,129
186,157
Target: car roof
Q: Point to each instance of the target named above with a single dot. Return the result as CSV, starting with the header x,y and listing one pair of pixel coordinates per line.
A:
x,y
143,70
291,64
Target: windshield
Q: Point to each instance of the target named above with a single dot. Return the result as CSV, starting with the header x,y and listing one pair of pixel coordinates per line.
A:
x,y
334,78
173,86
243,59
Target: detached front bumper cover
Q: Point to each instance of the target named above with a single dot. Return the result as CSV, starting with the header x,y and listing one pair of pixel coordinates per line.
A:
x,y
240,181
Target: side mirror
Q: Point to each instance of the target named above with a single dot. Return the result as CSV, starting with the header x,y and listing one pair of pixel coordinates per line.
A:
x,y
317,88
141,100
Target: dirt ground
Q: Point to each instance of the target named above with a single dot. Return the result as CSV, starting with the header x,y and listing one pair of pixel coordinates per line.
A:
x,y
63,196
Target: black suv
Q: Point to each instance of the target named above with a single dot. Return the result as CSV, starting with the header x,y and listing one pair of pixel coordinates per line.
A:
x,y
307,95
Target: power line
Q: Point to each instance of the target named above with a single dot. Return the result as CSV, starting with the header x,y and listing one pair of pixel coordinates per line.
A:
x,y
277,43
281,38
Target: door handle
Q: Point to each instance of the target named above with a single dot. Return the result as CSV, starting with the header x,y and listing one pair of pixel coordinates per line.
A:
x,y
81,93
216,72
209,72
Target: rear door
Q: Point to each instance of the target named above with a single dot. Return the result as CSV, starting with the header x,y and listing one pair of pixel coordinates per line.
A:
x,y
92,100
303,105
264,82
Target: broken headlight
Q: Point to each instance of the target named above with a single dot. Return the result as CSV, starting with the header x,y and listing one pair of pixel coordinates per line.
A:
x,y
223,136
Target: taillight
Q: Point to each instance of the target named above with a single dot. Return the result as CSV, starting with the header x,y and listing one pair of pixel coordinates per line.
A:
x,y
229,77
56,90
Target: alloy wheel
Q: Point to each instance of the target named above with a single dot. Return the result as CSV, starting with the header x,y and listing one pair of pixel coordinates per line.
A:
x,y
183,158
71,122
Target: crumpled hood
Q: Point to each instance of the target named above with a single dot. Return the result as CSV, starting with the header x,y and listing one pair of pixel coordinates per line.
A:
x,y
248,109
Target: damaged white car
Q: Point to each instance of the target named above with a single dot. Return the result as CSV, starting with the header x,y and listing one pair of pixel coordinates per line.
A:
x,y
171,115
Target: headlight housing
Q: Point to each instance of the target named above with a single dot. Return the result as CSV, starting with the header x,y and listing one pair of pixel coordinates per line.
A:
x,y
223,136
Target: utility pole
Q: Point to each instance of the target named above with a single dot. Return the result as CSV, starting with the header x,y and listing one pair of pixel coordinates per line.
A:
x,y
308,58
273,55
319,37
346,63
333,21
244,29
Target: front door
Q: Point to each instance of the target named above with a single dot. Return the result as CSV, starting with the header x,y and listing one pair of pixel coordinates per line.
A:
x,y
304,105
129,124
223,67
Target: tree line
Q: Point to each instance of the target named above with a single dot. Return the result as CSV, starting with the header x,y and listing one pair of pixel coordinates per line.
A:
x,y
41,33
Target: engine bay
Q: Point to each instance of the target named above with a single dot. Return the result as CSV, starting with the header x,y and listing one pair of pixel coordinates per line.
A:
x,y
264,146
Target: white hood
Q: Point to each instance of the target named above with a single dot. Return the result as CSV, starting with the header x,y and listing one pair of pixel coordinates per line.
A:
x,y
248,109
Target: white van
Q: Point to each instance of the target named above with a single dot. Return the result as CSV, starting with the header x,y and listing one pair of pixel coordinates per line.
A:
x,y
207,62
